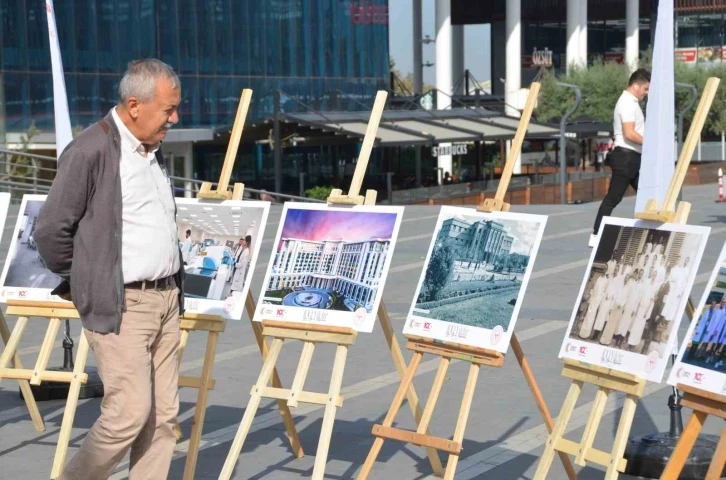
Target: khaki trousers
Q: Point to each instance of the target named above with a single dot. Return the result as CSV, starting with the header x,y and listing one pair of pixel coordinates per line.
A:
x,y
140,374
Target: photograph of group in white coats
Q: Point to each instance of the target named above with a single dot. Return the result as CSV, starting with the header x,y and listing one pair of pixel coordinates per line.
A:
x,y
635,288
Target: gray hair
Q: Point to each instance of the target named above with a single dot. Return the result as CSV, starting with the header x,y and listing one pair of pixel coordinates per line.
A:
x,y
140,79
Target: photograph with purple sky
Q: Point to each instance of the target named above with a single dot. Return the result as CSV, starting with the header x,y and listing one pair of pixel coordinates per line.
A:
x,y
349,226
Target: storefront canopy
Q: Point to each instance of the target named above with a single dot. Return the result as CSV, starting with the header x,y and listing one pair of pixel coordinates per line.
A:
x,y
421,127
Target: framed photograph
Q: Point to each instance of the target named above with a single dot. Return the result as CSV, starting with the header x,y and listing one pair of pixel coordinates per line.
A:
x,y
634,295
329,265
701,361
25,276
474,278
220,244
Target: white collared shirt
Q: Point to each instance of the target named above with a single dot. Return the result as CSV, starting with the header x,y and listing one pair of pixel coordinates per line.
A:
x,y
150,248
628,110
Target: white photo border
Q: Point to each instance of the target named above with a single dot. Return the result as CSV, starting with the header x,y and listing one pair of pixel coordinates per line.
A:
x,y
494,339
360,323
640,365
693,375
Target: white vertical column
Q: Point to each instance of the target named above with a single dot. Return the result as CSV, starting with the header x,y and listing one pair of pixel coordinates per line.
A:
x,y
573,33
582,11
632,47
444,69
513,65
417,48
188,170
457,57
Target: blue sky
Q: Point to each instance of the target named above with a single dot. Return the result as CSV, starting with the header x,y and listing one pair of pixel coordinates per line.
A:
x,y
476,41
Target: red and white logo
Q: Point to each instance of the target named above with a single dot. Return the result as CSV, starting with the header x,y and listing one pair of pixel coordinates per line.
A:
x,y
280,312
698,377
582,350
22,293
360,317
427,326
651,361
496,334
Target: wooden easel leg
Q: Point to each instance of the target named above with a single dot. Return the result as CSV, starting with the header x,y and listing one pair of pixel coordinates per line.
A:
x,y
251,409
45,350
593,422
201,408
301,374
463,418
282,406
719,459
539,401
411,395
391,415
621,436
11,346
562,420
183,338
70,411
684,446
23,384
326,430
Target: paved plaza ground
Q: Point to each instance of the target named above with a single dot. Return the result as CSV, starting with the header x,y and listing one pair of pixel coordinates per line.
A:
x,y
505,434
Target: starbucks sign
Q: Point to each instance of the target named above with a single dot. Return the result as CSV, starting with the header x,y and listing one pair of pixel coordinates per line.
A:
x,y
455,149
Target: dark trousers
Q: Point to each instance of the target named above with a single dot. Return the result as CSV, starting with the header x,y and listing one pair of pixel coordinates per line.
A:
x,y
625,165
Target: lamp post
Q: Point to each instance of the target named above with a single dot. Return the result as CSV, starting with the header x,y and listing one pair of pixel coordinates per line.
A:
x,y
563,139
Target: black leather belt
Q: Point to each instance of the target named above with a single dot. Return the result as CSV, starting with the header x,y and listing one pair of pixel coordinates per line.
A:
x,y
166,283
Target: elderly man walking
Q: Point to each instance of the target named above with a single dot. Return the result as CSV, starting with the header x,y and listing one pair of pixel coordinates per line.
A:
x,y
108,229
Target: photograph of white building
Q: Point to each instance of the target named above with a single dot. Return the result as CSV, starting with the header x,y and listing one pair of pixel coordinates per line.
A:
x,y
350,270
329,265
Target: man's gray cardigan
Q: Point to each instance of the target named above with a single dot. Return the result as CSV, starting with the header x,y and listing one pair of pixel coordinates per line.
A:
x,y
78,231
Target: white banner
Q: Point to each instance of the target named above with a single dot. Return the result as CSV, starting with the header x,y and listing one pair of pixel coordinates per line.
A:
x,y
659,152
63,133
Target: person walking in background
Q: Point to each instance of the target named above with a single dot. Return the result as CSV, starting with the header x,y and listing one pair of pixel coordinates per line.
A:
x,y
624,159
108,229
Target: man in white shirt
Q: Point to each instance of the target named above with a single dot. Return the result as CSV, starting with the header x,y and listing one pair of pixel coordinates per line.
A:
x,y
624,159
112,210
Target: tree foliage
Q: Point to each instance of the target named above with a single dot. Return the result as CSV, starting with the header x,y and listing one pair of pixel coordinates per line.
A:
x,y
602,83
438,273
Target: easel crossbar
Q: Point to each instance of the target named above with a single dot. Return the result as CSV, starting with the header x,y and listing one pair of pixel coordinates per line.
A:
x,y
702,401
304,397
408,436
310,336
592,455
605,378
44,376
481,357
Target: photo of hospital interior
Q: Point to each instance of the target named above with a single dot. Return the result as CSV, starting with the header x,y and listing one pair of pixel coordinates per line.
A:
x,y
217,243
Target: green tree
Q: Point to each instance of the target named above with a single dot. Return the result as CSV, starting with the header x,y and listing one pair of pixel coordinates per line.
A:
x,y
438,273
602,83
319,192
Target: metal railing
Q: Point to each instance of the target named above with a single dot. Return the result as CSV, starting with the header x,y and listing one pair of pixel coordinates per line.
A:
x,y
29,178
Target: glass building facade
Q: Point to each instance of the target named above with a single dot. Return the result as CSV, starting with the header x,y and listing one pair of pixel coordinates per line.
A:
x,y
306,48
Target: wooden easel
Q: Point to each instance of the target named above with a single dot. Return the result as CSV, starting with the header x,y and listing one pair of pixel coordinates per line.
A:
x,y
215,324
311,335
55,313
703,404
449,350
608,380
25,389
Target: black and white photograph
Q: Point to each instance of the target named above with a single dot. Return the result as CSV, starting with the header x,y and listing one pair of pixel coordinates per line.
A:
x,y
634,295
24,273
701,360
475,276
220,244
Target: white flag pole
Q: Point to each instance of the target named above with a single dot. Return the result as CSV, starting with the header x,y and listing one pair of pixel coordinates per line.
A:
x,y
63,133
